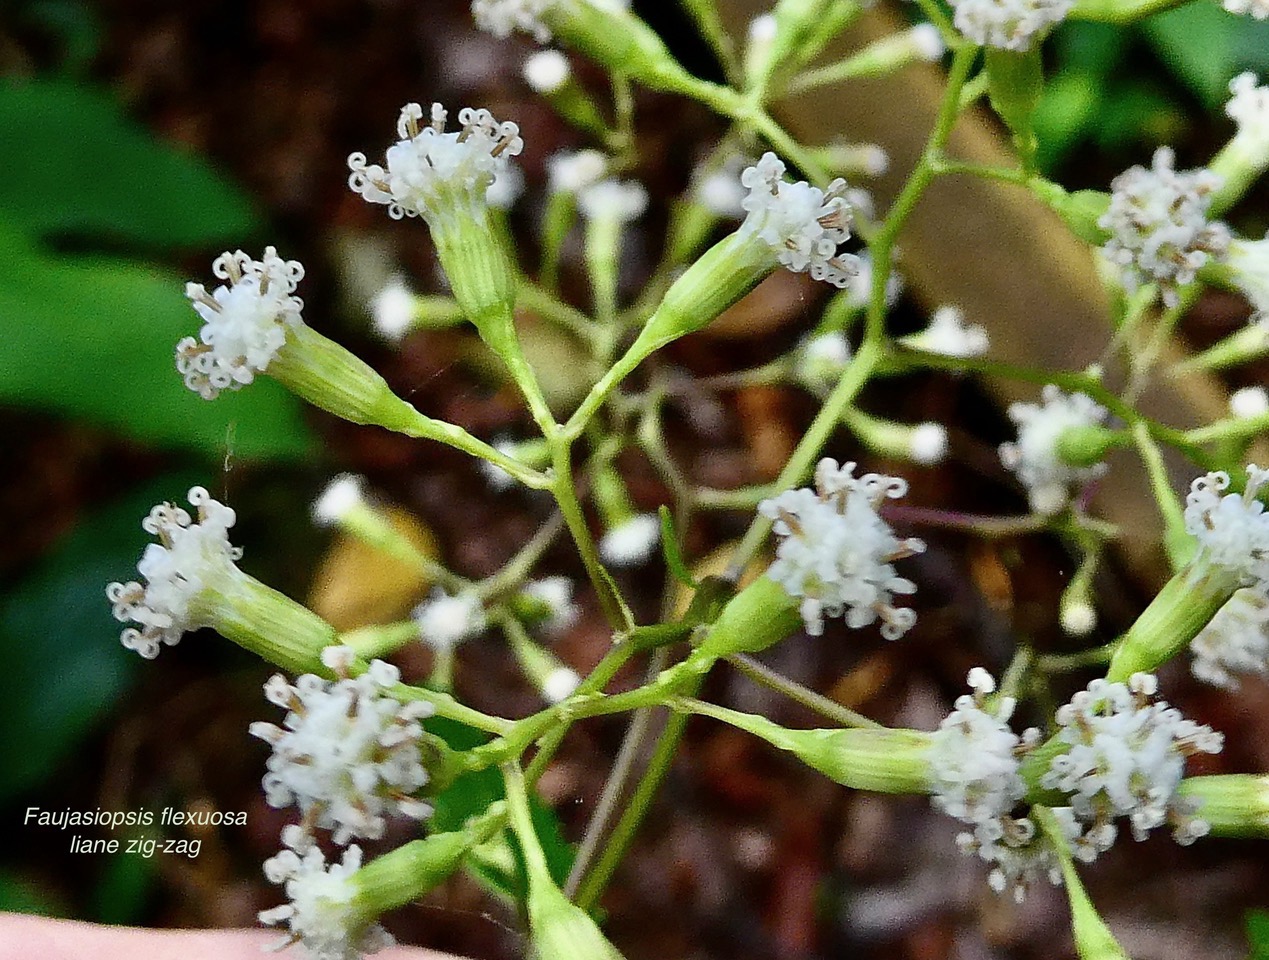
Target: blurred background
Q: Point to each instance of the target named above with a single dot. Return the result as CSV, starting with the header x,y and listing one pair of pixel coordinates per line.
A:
x,y
139,139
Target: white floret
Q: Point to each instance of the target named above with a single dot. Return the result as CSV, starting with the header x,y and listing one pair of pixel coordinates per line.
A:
x,y
445,620
1232,530
572,171
347,754
1159,227
1008,24
321,913
556,594
1248,262
837,555
1126,759
620,200
1249,402
1034,456
560,684
505,17
245,322
1256,9
1236,641
192,559
546,71
802,225
437,175
393,310
928,443
631,542
342,495
950,336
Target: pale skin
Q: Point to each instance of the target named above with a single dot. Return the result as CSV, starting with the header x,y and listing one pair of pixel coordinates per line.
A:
x,y
38,938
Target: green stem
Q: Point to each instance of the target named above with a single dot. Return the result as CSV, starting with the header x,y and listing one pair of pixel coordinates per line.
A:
x,y
829,709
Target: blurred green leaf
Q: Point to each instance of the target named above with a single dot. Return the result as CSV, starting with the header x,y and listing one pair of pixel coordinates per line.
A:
x,y
1065,114
74,164
1198,42
20,895
64,667
1137,112
93,338
1258,934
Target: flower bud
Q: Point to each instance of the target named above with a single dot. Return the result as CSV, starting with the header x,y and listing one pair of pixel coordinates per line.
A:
x,y
1241,161
396,310
880,760
758,617
1234,805
343,504
548,73
923,443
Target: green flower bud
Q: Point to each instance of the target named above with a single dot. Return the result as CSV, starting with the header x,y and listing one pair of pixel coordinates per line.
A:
x,y
923,443
548,73
1233,805
758,617
1087,446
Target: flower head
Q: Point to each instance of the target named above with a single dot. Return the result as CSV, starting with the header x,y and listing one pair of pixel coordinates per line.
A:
x,y
1249,402
950,336
1249,109
1019,857
322,912
1008,24
821,358
504,17
1256,9
1127,757
1158,224
546,71
189,559
572,171
974,756
346,754
1034,456
1235,641
620,200
393,310
434,174
1248,262
837,554
445,619
632,541
1232,530
244,323
802,224
555,595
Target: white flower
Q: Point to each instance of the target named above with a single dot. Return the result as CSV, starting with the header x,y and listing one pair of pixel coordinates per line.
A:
x,y
620,200
1127,757
802,224
1034,457
720,191
927,41
192,557
244,324
572,171
347,755
322,913
821,359
556,594
974,756
1008,24
393,310
1235,641
1249,402
837,554
631,542
560,684
342,495
1249,108
1256,9
1019,857
504,17
546,71
1232,530
927,443
445,620
434,174
1248,262
1158,224
950,336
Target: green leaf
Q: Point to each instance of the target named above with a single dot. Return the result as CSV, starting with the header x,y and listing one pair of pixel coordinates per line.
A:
x,y
1258,934
74,164
1065,115
1198,43
92,337
64,667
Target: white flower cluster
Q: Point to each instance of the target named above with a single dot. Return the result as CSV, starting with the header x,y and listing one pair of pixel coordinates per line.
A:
x,y
802,224
837,554
632,541
572,171
1127,757
322,912
1235,641
505,17
556,595
244,323
974,761
445,619
189,556
1034,456
1159,230
620,200
346,754
821,358
434,174
1248,262
1256,9
950,336
1232,530
1008,24
1249,108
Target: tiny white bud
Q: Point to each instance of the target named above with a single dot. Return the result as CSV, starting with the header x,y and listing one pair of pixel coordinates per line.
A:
x,y
1249,402
929,443
546,71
